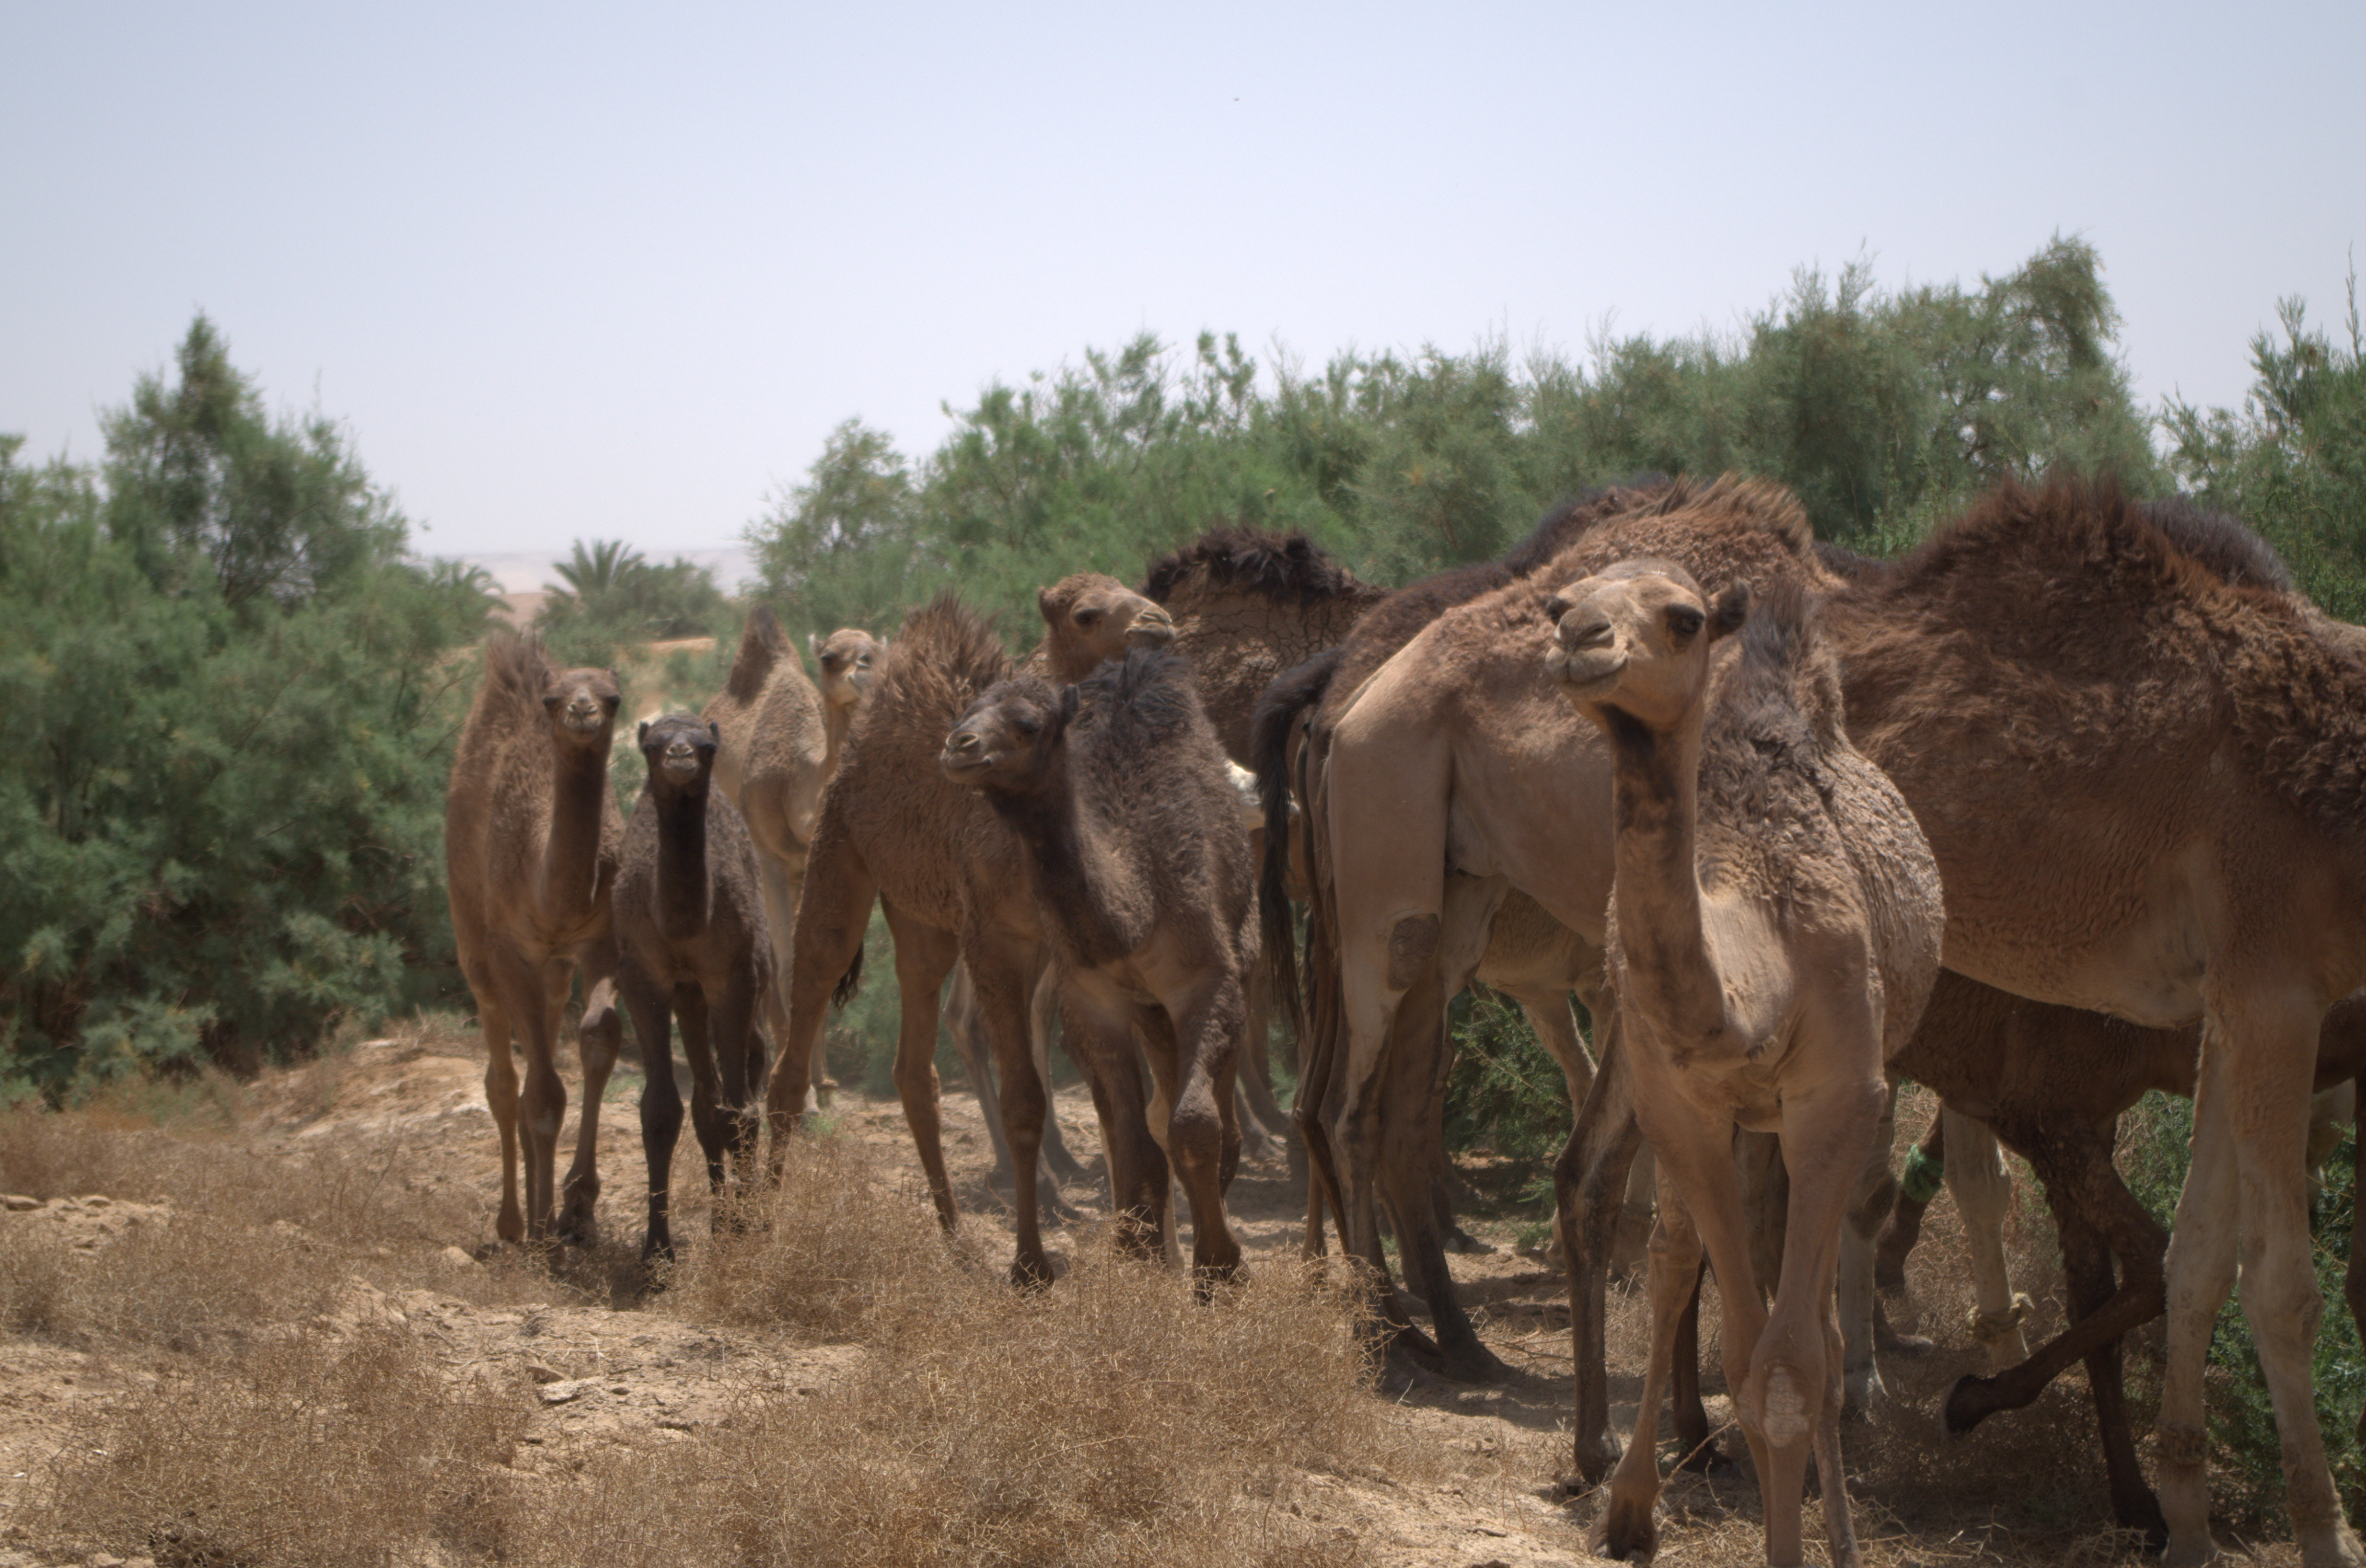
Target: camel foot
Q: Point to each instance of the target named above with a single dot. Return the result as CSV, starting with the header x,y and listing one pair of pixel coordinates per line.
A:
x,y
1708,1460
1461,1243
1030,1274
1625,1532
1967,1402
1473,1363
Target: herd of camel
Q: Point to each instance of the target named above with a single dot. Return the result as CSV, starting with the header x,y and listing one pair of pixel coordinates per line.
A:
x,y
2065,805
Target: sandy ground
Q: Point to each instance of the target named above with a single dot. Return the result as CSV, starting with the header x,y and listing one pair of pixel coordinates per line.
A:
x,y
609,1371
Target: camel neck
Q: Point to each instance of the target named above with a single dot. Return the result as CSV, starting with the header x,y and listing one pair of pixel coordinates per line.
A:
x,y
681,863
570,871
1655,817
835,722
1048,820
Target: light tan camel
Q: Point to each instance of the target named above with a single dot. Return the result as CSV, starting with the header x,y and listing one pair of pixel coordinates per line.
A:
x,y
531,836
1089,616
1142,874
691,946
952,880
1773,931
1452,760
848,662
2141,763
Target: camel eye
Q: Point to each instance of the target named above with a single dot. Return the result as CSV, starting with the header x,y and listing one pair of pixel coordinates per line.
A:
x,y
1684,621
1027,724
1087,616
1556,607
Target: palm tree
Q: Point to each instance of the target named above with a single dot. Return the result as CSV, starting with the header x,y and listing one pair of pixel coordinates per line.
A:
x,y
594,572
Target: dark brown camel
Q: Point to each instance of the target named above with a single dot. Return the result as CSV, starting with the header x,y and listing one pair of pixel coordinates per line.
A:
x,y
953,882
1141,869
531,834
691,945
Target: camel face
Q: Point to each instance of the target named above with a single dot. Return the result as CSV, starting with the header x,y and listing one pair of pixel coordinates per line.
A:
x,y
1637,636
680,749
849,659
1005,741
582,706
1088,617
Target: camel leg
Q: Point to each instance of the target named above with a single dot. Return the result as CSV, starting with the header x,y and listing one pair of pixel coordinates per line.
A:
x,y
924,954
1625,1525
2247,1188
599,1039
2331,1110
1982,1188
781,888
1193,1041
833,914
968,1032
1100,1036
502,1098
707,1109
1635,1216
538,997
1691,1417
1004,969
651,1006
1589,1184
739,1058
1255,1078
1042,1012
2087,1271
1925,1165
1876,1189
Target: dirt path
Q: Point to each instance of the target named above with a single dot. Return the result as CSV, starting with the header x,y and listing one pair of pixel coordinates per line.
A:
x,y
611,1371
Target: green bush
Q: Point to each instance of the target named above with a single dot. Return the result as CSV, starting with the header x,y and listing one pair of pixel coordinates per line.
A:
x,y
231,704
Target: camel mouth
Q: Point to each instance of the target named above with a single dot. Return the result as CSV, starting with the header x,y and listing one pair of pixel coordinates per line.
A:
x,y
683,764
964,758
1585,673
1149,633
587,719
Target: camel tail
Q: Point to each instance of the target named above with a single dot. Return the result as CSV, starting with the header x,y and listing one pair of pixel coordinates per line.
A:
x,y
1293,693
847,983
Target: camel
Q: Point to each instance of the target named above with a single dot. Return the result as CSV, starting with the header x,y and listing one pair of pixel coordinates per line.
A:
x,y
780,744
691,943
953,879
531,838
1089,616
1773,931
849,661
1431,725
1140,863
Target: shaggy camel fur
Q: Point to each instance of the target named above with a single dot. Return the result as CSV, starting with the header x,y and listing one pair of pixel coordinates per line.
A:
x,y
691,943
2138,759
1773,931
1413,758
531,834
1142,873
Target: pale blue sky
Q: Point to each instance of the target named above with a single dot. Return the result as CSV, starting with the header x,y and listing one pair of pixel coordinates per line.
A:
x,y
581,271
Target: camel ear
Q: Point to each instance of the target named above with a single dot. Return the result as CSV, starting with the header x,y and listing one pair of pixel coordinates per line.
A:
x,y
1043,606
642,738
715,732
1068,704
1732,607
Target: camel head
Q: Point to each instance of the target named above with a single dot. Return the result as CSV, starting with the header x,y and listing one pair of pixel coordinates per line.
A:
x,y
848,660
1088,617
680,749
582,706
1006,741
1635,637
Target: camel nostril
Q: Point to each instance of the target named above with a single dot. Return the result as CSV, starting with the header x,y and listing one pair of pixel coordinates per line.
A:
x,y
1579,635
964,745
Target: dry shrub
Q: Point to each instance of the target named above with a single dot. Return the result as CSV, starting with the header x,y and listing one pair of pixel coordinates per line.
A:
x,y
37,1279
1111,1418
307,1450
187,1284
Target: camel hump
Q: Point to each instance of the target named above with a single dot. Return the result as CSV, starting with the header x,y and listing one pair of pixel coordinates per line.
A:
x,y
2220,544
517,668
1570,520
761,646
1738,502
1783,695
942,657
1148,694
1287,568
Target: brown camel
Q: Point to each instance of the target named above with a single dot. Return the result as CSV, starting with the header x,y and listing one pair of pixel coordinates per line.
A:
x,y
849,661
1413,756
531,835
691,943
2137,757
1089,617
952,880
1140,862
2051,1081
1773,931
781,743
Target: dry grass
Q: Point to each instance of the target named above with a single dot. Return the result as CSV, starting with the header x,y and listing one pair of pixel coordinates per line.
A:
x,y
306,1450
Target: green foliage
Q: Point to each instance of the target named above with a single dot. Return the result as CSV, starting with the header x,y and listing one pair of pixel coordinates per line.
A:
x,y
2247,1473
2293,461
1883,411
1506,1093
230,709
613,596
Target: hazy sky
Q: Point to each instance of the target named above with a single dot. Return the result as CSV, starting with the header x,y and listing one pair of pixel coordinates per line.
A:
x,y
576,270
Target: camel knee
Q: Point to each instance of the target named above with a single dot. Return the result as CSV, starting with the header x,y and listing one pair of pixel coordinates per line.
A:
x,y
916,1079
1413,943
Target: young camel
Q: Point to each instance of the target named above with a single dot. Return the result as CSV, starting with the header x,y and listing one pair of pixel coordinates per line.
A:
x,y
531,834
1141,869
1773,931
691,943
952,880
